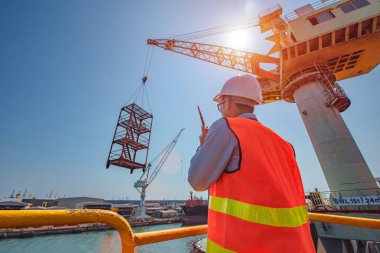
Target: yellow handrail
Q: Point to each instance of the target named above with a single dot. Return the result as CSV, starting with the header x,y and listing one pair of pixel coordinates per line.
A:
x,y
170,234
345,220
35,218
129,240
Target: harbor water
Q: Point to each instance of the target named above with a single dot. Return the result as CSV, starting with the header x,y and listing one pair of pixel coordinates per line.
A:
x,y
95,242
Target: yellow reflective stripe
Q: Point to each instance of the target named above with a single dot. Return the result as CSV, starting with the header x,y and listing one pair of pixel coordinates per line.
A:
x,y
213,247
278,217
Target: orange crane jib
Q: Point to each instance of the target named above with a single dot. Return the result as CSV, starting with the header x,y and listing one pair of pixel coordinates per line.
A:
x,y
228,57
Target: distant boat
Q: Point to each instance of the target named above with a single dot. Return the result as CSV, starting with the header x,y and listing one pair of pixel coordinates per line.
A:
x,y
196,211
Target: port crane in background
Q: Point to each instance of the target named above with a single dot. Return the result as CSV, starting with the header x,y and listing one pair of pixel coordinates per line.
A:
x,y
317,44
145,180
25,192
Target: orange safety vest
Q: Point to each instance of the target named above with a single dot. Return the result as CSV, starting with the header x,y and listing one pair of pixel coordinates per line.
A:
x,y
261,207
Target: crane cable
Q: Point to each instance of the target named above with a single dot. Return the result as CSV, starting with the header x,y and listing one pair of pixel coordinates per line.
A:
x,y
142,87
238,25
148,60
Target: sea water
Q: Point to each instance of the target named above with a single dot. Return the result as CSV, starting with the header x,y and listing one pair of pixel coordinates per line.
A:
x,y
95,242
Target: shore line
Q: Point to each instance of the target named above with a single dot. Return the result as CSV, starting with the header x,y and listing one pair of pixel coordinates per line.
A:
x,y
52,230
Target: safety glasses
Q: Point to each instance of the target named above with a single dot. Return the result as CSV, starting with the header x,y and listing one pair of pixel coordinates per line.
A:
x,y
220,105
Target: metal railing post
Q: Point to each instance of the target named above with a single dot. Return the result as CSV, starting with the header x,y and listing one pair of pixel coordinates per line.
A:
x,y
35,218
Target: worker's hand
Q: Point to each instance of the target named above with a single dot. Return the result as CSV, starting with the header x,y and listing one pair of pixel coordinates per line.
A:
x,y
202,137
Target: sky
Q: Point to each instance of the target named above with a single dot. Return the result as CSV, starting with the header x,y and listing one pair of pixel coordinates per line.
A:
x,y
67,67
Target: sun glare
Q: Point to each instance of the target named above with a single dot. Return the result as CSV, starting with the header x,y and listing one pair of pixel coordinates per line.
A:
x,y
238,39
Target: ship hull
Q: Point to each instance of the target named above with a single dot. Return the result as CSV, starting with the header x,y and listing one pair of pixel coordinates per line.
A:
x,y
194,215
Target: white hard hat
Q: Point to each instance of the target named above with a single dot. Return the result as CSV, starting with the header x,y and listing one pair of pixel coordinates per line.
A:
x,y
246,88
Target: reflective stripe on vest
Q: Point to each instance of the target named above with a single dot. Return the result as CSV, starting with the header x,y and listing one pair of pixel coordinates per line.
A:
x,y
279,217
216,248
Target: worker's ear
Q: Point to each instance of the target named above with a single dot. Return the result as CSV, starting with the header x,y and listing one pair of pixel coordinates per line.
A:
x,y
232,105
229,103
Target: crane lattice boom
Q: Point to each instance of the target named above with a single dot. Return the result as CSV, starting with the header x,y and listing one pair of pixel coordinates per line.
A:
x,y
231,58
164,157
228,57
144,183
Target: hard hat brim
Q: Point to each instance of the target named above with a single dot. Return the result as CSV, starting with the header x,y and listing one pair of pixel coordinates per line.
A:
x,y
218,98
238,99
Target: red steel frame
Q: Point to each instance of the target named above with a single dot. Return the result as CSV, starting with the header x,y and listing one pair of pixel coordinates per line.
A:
x,y
131,136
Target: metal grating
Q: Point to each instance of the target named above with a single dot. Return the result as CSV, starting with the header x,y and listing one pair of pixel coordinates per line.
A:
x,y
344,62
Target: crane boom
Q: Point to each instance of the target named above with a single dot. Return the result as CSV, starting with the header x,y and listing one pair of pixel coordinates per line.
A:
x,y
164,157
224,56
231,58
144,183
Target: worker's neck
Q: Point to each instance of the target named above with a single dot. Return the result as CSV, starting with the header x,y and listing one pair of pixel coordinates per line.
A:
x,y
234,114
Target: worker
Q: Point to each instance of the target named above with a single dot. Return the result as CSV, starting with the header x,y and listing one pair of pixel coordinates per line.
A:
x,y
256,197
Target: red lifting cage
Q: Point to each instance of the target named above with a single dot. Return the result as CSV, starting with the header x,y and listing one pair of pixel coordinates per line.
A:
x,y
130,145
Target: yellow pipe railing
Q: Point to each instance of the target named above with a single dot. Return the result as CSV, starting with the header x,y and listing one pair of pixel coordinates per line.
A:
x,y
129,240
345,220
35,218
170,234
